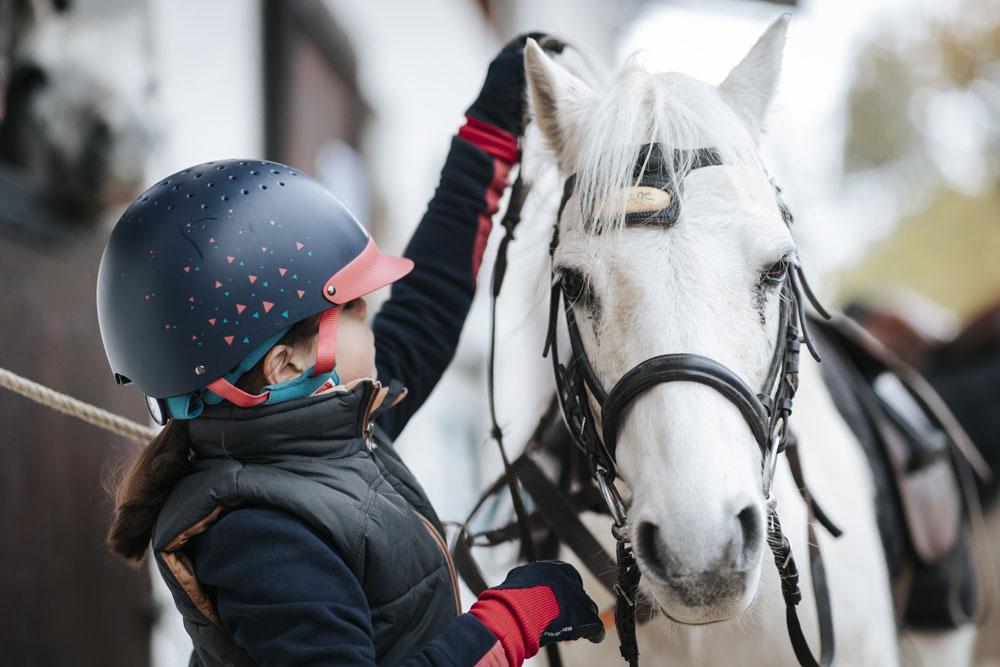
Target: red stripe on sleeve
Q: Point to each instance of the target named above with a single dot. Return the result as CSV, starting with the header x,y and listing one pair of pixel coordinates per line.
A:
x,y
494,192
498,143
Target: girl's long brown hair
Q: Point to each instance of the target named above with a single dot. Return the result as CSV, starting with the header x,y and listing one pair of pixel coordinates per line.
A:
x,y
146,481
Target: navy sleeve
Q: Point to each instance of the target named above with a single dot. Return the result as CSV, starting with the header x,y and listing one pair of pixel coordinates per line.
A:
x,y
417,329
287,598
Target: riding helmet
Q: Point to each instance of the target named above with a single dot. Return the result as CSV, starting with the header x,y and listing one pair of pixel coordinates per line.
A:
x,y
215,262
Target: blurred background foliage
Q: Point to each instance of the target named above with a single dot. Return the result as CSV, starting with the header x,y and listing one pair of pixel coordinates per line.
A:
x,y
924,109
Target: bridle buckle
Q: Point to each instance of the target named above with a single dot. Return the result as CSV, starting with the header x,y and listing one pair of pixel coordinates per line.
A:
x,y
771,466
614,502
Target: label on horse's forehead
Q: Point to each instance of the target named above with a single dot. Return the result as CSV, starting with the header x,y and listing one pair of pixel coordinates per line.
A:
x,y
641,200
645,199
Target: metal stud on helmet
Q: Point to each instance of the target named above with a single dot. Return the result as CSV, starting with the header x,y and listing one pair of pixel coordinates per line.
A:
x,y
216,261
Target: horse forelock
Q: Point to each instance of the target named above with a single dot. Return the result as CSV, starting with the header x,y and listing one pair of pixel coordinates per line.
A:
x,y
641,107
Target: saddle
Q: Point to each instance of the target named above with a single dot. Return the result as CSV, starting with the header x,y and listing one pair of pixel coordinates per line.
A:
x,y
922,463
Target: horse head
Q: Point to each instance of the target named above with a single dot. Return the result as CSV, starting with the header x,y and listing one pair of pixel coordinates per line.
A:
x,y
671,238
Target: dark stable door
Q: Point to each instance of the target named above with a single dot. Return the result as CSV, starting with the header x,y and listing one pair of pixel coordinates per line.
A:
x,y
64,599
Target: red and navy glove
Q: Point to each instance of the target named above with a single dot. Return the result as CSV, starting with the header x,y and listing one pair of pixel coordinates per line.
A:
x,y
497,116
537,604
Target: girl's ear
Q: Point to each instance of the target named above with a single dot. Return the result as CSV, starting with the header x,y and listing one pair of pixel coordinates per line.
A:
x,y
282,364
558,97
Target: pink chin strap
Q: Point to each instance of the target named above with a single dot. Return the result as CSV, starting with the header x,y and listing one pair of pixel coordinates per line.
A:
x,y
326,341
230,392
326,355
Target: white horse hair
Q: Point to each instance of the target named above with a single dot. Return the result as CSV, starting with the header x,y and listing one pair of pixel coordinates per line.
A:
x,y
689,464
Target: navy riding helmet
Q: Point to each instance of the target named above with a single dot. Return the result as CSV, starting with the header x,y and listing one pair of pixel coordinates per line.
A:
x,y
207,269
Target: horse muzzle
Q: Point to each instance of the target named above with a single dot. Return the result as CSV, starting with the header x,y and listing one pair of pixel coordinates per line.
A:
x,y
697,581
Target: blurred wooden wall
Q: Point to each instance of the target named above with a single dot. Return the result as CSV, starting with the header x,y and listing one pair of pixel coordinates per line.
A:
x,y
64,600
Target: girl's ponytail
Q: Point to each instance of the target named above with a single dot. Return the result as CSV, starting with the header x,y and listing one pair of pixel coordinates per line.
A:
x,y
144,488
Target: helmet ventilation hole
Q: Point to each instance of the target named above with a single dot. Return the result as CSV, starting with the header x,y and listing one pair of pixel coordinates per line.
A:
x,y
245,191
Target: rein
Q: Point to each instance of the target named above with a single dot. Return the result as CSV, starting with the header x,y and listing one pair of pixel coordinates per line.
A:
x,y
511,219
766,414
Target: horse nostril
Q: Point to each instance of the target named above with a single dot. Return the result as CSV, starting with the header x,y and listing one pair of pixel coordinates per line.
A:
x,y
649,545
750,525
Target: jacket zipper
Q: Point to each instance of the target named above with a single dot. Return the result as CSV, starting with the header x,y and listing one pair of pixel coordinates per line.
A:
x,y
368,426
447,557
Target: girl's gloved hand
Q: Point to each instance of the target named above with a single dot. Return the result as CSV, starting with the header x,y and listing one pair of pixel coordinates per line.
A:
x,y
501,102
537,604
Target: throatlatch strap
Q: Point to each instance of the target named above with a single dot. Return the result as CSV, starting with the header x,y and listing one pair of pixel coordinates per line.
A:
x,y
230,392
326,341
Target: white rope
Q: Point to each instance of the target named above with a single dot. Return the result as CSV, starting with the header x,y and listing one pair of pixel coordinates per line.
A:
x,y
77,408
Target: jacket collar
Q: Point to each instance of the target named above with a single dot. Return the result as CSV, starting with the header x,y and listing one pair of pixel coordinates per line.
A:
x,y
329,424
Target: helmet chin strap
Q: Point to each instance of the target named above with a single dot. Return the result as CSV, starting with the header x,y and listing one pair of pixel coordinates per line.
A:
x,y
326,356
326,341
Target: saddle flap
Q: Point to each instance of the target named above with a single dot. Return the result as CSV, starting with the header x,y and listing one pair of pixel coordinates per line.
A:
x,y
928,489
917,443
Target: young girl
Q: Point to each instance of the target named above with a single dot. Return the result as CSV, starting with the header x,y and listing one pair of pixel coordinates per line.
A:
x,y
284,523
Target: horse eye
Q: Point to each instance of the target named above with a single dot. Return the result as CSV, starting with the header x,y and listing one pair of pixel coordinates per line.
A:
x,y
774,274
576,287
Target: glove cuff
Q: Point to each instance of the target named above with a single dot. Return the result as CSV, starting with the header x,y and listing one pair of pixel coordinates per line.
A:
x,y
517,617
498,143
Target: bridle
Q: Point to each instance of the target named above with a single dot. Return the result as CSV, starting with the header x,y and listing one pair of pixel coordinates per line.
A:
x,y
766,413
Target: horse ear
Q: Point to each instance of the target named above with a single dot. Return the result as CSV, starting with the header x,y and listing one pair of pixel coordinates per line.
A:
x,y
750,87
557,98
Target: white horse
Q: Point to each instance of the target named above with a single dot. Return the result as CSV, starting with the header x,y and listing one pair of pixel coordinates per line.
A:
x,y
688,462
